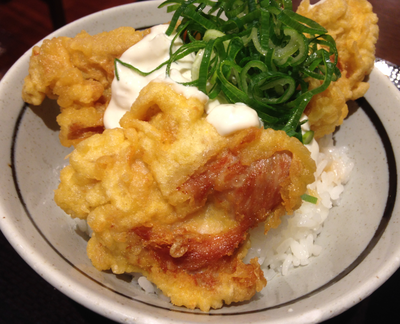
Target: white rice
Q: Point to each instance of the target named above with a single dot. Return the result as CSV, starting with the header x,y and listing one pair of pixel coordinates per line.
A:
x,y
146,285
293,242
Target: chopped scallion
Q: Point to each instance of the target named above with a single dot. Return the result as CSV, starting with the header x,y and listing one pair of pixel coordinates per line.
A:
x,y
262,55
308,137
310,199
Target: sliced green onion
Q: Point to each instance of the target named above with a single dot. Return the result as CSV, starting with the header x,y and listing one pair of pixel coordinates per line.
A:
x,y
308,137
297,44
310,199
261,55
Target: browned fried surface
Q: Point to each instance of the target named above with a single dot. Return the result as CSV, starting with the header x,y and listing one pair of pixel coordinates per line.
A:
x,y
353,25
166,195
171,198
78,73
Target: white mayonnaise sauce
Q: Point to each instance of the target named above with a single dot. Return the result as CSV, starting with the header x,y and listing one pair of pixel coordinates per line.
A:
x,y
147,55
229,118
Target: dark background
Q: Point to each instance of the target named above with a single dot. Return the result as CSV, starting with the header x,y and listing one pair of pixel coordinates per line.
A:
x,y
24,296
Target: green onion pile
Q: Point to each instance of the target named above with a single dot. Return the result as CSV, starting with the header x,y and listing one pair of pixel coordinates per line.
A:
x,y
256,52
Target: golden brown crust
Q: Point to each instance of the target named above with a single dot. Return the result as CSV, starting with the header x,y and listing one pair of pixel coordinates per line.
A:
x,y
171,198
166,195
78,73
353,25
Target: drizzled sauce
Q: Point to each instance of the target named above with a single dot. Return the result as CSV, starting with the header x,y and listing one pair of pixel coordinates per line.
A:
x,y
146,56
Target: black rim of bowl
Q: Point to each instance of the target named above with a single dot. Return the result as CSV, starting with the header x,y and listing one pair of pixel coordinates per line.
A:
x,y
390,202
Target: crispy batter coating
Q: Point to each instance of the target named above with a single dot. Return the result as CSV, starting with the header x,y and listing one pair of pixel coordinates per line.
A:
x,y
353,25
169,197
78,73
166,195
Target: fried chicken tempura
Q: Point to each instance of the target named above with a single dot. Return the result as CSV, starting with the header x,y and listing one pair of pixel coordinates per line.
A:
x,y
166,195
354,27
78,73
169,197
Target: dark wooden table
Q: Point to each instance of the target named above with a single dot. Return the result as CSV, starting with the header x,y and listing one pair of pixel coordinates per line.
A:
x,y
24,296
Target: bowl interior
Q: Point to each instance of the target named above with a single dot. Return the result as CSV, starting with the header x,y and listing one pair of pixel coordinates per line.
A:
x,y
360,229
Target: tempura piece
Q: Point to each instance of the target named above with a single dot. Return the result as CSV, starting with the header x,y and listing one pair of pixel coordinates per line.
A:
x,y
78,73
353,25
169,197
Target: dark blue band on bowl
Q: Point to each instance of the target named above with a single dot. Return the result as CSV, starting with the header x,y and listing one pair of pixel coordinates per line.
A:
x,y
391,197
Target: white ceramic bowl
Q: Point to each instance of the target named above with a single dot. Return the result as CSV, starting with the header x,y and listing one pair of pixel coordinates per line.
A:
x,y
361,237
